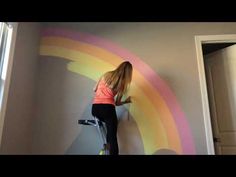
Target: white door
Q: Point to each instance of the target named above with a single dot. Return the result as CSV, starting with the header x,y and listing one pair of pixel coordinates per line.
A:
x,y
220,69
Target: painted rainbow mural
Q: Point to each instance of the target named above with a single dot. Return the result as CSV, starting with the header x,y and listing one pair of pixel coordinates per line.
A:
x,y
159,117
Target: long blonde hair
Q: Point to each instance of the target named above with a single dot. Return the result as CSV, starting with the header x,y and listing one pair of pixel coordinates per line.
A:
x,y
120,78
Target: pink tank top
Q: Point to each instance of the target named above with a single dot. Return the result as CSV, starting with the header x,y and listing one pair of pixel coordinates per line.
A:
x,y
104,95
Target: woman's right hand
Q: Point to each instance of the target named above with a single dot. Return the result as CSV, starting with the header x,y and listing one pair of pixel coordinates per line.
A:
x,y
128,100
119,103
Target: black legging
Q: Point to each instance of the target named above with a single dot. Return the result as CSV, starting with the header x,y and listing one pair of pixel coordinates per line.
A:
x,y
107,114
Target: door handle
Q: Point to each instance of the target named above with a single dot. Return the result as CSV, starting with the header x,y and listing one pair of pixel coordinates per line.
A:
x,y
216,140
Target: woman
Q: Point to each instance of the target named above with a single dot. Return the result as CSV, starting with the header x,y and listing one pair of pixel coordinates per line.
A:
x,y
112,84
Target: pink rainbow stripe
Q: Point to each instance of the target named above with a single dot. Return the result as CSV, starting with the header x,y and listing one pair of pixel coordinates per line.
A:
x,y
147,72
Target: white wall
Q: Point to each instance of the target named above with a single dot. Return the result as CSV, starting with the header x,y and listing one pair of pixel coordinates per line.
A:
x,y
169,48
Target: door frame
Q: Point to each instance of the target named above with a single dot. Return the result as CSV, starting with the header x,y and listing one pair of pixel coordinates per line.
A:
x,y
199,40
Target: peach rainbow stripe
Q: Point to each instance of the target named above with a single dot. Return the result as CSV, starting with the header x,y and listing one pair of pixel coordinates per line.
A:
x,y
160,121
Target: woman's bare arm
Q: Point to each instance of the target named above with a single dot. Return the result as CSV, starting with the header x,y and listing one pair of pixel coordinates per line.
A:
x,y
119,102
